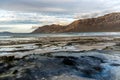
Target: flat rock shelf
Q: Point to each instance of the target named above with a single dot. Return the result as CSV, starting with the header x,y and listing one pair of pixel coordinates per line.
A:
x,y
65,58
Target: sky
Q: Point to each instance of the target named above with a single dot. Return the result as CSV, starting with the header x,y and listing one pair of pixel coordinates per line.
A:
x,y
23,16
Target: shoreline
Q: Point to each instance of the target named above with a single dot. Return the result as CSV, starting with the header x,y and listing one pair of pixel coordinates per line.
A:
x,y
52,44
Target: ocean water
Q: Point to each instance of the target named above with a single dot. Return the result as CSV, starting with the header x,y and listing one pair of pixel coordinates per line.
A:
x,y
9,36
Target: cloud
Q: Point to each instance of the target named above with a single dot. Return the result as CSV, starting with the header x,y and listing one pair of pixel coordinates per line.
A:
x,y
31,5
21,28
30,18
24,21
58,6
91,14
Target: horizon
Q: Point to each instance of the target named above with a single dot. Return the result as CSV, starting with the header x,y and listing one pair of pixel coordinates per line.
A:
x,y
23,16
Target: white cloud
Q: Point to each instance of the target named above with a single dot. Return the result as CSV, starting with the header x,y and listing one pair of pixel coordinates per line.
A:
x,y
21,21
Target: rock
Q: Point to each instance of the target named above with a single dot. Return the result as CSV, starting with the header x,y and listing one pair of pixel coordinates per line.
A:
x,y
69,44
69,61
115,64
7,58
37,67
15,71
87,65
5,67
118,44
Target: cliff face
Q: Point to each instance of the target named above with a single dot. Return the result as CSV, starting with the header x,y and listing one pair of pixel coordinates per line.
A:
x,y
49,29
106,23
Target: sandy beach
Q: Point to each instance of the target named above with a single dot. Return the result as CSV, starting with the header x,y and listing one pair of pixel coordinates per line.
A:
x,y
60,58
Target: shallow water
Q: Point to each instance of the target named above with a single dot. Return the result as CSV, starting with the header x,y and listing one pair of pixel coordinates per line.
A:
x,y
29,35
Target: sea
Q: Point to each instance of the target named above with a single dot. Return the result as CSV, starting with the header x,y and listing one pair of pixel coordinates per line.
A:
x,y
12,36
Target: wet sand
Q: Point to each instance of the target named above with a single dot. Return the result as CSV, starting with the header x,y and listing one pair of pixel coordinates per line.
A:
x,y
60,58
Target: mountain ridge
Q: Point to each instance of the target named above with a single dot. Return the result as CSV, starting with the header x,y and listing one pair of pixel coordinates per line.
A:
x,y
107,23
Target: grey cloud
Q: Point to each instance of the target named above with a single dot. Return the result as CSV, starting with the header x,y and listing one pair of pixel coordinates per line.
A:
x,y
57,6
31,5
92,14
19,22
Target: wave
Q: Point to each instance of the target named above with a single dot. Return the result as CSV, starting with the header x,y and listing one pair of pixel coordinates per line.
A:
x,y
20,35
5,36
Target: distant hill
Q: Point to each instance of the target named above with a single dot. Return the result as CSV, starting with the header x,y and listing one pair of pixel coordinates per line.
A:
x,y
106,23
5,32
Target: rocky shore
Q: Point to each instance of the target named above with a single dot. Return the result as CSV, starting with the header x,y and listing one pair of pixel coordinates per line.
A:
x,y
65,58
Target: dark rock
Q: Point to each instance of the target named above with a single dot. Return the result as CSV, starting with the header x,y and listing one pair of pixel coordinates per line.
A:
x,y
5,67
69,44
37,67
66,57
7,58
115,64
98,68
69,61
1,64
100,59
118,44
15,71
39,44
88,65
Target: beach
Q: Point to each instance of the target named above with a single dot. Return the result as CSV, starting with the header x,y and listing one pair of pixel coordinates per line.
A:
x,y
60,58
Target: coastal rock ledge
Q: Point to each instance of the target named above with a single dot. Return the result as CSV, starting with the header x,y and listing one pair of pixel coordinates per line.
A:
x,y
39,67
